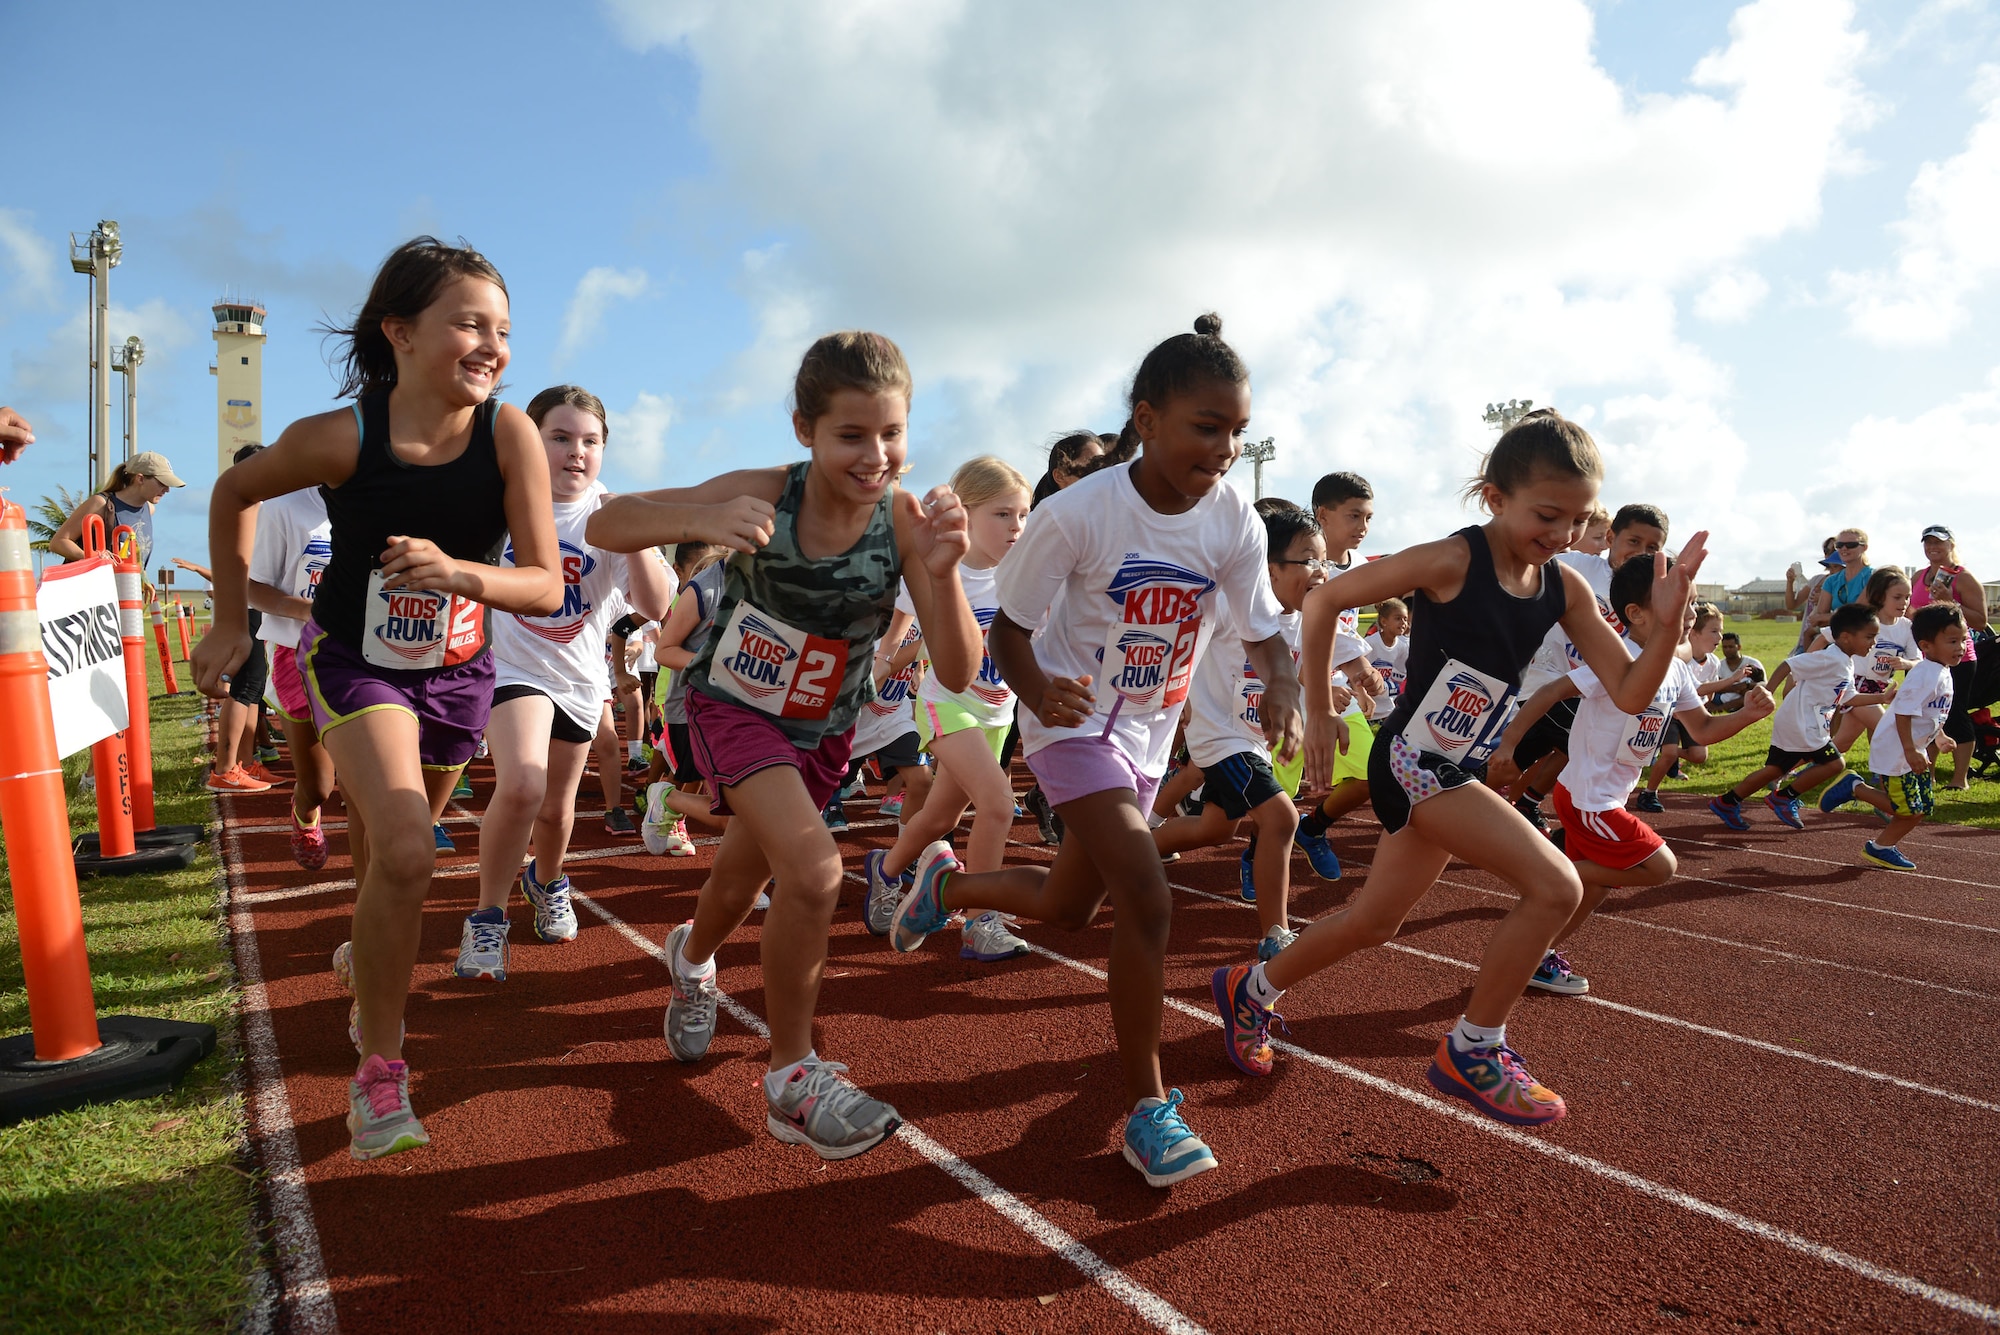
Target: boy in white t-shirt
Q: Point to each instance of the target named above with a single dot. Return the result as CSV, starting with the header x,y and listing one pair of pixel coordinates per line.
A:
x,y
1802,729
1389,653
1710,677
1897,749
1608,750
1740,672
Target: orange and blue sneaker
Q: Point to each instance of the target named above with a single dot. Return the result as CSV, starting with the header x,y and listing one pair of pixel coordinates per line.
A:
x,y
1786,809
1729,813
1246,1025
1160,1144
1493,1080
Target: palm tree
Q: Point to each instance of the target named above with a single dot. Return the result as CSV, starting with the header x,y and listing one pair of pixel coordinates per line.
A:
x,y
48,516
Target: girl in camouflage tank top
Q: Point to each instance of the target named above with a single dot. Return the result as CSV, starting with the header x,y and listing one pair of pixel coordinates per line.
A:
x,y
773,695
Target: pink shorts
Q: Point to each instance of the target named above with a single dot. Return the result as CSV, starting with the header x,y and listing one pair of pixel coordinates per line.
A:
x,y
1079,766
1616,838
731,742
288,685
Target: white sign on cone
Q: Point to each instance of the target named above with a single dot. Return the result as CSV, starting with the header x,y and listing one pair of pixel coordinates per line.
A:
x,y
78,606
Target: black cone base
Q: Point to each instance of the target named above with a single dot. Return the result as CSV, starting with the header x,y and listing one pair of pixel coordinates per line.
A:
x,y
166,857
141,1057
160,836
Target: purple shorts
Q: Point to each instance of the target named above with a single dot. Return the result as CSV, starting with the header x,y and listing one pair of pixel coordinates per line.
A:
x,y
451,705
731,742
1079,766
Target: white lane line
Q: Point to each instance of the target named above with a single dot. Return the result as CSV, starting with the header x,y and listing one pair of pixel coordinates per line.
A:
x,y
259,897
1843,904
1155,1310
1835,862
306,1295
1757,1228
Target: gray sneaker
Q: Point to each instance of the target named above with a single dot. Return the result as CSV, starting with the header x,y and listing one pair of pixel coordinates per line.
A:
x,y
884,893
986,939
555,920
1270,946
691,1006
482,948
378,1111
818,1108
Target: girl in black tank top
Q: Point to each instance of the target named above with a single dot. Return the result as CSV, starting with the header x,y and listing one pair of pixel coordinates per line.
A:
x,y
1484,598
421,479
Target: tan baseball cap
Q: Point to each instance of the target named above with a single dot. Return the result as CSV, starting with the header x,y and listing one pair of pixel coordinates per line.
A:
x,y
149,463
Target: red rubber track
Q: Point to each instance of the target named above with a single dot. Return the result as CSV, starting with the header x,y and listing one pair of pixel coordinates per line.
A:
x,y
1783,1105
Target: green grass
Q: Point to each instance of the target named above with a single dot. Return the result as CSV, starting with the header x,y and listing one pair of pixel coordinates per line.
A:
x,y
1770,642
136,1216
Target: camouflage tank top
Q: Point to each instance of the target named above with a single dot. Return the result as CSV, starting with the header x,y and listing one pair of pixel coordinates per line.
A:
x,y
793,636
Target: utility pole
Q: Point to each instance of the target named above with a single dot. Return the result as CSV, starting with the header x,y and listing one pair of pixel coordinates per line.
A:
x,y
126,361
1260,454
97,255
1504,415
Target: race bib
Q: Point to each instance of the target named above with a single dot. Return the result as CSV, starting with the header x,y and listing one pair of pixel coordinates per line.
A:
x,y
1151,666
420,629
777,669
1644,740
1463,715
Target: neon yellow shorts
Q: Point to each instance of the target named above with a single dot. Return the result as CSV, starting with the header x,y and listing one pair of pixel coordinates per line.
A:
x,y
935,719
1353,762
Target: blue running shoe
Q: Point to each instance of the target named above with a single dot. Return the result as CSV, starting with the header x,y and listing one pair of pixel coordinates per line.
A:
x,y
1785,809
1729,813
1159,1144
1325,863
442,840
834,814
1891,857
1839,793
922,910
1649,801
1249,878
1273,943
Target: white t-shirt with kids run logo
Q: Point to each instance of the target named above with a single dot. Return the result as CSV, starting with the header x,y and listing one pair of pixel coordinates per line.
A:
x,y
1608,748
1925,698
1874,670
1819,682
989,700
891,712
1126,596
562,655
294,544
1557,655
1392,663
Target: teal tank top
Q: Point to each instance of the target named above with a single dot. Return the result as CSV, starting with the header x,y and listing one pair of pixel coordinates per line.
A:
x,y
794,637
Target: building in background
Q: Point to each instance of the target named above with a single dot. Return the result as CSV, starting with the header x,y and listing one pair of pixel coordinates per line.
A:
x,y
239,377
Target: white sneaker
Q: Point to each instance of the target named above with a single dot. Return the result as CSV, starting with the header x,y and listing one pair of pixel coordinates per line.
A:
x,y
678,843
763,901
482,949
655,828
986,939
818,1109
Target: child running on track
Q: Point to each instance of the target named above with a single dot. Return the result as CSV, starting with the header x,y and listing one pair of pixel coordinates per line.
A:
x,y
1710,679
1225,738
965,730
1897,748
1887,595
1485,598
674,796
1802,729
548,687
1389,653
1121,571
774,693
424,476
290,554
1611,847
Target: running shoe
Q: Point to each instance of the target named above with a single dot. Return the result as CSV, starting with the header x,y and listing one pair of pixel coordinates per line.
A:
x,y
1649,801
636,765
255,769
878,910
267,755
1891,857
922,910
986,939
1674,771
855,788
1246,874
1159,1144
441,839
463,788
555,920
690,1003
1729,813
1786,809
1554,975
834,814
482,946
820,1109
1020,812
1531,812
761,902
619,823
1273,943
308,844
892,806
343,965
1839,793
1246,1025
235,779
1325,862
1046,823
1493,1080
378,1111
482,752
678,843
655,824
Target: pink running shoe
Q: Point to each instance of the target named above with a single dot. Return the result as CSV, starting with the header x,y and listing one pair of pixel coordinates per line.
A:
x,y
378,1111
308,844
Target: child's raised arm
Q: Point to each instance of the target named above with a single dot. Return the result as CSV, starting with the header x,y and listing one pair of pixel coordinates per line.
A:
x,y
735,510
932,535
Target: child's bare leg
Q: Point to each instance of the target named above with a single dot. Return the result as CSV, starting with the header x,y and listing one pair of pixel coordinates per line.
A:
x,y
1275,820
1405,867
1183,781
1180,834
1601,881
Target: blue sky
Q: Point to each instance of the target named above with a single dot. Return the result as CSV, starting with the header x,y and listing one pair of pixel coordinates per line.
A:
x,y
1751,246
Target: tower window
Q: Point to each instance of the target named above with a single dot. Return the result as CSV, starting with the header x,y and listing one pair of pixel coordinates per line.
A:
x,y
246,361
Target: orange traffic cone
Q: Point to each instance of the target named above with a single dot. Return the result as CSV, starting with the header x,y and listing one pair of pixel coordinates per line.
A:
x,y
166,655
139,730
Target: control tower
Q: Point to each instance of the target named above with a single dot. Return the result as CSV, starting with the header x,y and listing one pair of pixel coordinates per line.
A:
x,y
239,377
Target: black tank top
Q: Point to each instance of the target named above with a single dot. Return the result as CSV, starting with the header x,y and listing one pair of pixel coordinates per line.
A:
x,y
1485,628
460,506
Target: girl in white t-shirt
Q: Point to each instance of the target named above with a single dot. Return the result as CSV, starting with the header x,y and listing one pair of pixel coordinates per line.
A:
x,y
1887,595
293,545
965,730
549,687
1121,571
1389,652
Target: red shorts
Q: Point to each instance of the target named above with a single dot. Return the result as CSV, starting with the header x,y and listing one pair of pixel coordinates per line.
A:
x,y
731,742
1616,838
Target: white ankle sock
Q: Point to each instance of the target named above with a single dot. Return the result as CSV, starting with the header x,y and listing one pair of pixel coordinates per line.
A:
x,y
1261,990
691,972
1466,1034
775,1078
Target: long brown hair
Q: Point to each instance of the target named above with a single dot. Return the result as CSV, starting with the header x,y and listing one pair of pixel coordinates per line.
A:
x,y
404,287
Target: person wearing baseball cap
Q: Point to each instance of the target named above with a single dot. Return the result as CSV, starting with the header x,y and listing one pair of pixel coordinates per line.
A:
x,y
1942,580
128,499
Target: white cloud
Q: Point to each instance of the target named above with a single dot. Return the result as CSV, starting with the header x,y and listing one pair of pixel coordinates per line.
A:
x,y
595,292
1404,212
1948,243
638,441
32,260
1730,296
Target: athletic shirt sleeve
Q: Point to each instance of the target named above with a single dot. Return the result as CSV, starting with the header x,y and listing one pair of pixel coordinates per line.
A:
x,y
1246,582
1026,583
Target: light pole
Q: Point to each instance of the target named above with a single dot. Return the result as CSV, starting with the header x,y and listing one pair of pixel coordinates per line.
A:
x,y
1504,415
126,361
97,255
1259,454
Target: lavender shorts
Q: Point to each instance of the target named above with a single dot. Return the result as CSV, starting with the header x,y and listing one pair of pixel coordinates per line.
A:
x,y
731,742
451,705
1079,766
